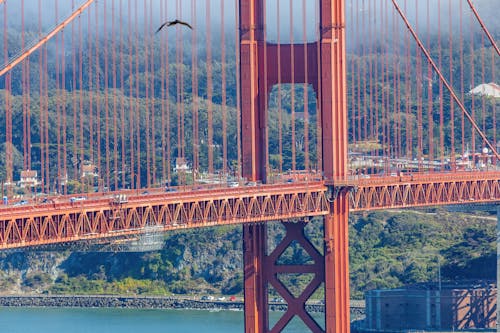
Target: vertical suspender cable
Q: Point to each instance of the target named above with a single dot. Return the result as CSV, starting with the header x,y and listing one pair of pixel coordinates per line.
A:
x,y
388,143
419,98
359,52
98,98
238,84
146,93
472,82
397,94
178,61
123,96
280,96
25,94
266,90
73,96
408,122
369,116
167,115
452,103
292,85
107,151
441,109
28,110
493,56
224,107
90,98
354,59
130,96
58,145
376,78
306,88
162,97
40,99
81,158
181,89
44,81
383,53
64,116
355,75
351,93
26,100
115,102
138,174
363,133
8,105
462,92
46,109
430,104
319,142
209,88
483,97
194,91
153,103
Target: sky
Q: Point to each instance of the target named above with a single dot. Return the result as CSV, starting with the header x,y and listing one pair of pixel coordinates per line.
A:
x,y
282,16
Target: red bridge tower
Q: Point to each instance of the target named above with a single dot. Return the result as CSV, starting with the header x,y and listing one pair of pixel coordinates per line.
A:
x,y
321,64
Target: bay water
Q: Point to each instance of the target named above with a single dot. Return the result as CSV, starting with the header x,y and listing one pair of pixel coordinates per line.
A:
x,y
85,320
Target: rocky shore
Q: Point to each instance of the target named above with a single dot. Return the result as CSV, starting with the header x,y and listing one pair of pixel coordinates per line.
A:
x,y
145,302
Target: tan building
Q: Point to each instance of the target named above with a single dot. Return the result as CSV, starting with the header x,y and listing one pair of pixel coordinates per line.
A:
x,y
426,307
28,178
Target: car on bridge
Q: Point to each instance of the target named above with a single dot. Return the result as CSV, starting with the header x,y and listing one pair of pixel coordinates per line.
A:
x,y
76,199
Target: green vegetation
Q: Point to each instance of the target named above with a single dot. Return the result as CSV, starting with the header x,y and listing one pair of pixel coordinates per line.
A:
x,y
387,250
392,249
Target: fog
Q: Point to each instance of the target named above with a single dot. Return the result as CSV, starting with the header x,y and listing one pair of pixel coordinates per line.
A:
x,y
286,20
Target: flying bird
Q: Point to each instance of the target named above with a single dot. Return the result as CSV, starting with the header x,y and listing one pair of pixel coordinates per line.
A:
x,y
171,23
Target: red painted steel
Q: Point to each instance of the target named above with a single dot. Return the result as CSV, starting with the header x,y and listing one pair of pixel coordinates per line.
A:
x,y
253,150
61,219
253,119
483,26
260,65
44,39
281,64
334,129
254,271
425,190
296,304
219,206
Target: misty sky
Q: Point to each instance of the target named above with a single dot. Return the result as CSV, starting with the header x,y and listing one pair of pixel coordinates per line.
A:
x,y
281,15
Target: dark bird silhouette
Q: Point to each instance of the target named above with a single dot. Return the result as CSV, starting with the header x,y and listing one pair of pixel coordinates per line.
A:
x,y
171,23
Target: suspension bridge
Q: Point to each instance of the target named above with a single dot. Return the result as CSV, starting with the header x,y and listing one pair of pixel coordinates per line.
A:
x,y
264,111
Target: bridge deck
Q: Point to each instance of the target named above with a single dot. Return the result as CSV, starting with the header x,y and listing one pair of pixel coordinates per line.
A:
x,y
62,219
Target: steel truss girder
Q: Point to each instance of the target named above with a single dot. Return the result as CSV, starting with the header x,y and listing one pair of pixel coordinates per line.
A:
x,y
104,219
400,193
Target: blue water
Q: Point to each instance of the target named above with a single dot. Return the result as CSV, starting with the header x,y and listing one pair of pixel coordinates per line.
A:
x,y
64,320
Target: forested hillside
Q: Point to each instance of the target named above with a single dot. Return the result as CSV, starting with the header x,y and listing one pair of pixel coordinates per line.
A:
x,y
387,249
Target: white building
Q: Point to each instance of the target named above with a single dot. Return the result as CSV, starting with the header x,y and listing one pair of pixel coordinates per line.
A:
x,y
487,89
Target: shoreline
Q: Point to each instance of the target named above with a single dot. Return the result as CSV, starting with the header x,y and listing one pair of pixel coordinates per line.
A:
x,y
145,302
